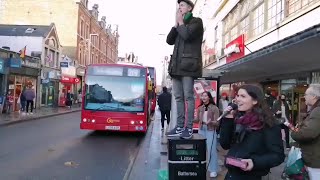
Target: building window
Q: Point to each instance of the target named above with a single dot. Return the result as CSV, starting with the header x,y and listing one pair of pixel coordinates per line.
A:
x,y
258,20
87,32
296,5
234,33
80,56
226,39
245,8
57,61
81,33
275,12
50,59
244,27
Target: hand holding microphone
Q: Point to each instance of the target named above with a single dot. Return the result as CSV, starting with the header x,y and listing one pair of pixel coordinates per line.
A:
x,y
227,112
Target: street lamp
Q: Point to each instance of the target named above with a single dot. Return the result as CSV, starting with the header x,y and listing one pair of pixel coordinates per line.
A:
x,y
90,35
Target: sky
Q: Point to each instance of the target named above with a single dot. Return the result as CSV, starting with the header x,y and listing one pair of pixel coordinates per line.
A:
x,y
140,23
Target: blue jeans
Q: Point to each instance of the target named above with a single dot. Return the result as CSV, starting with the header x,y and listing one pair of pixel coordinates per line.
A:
x,y
211,148
183,92
23,106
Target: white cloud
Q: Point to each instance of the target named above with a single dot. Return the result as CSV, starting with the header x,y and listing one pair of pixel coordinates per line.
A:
x,y
140,23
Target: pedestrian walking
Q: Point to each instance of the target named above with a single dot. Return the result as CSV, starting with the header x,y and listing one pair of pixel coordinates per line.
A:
x,y
185,65
69,99
164,102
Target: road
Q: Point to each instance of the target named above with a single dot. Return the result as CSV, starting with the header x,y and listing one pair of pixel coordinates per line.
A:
x,y
55,148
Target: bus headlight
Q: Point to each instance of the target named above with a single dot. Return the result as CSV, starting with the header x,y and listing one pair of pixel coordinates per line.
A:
x,y
141,122
84,120
93,120
132,122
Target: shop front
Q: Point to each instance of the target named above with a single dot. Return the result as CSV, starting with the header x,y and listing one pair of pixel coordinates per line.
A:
x,y
21,76
67,83
2,83
50,87
284,67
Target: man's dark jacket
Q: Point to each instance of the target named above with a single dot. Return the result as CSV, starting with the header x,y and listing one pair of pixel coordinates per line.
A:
x,y
164,101
186,59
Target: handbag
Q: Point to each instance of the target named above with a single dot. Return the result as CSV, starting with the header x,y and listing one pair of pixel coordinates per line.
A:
x,y
295,168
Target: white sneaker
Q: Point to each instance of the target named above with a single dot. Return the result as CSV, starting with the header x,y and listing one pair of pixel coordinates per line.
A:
x,y
213,174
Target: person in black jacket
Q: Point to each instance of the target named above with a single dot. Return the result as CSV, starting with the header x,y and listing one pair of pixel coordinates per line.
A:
x,y
281,110
185,65
164,102
252,135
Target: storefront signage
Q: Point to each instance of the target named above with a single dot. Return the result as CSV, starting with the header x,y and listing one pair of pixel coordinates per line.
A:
x,y
65,79
45,81
68,71
235,49
64,64
15,62
1,66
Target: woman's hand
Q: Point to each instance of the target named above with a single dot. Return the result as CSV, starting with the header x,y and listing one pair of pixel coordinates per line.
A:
x,y
249,164
231,114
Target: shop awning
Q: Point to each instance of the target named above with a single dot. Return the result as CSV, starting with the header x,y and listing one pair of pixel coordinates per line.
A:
x,y
293,55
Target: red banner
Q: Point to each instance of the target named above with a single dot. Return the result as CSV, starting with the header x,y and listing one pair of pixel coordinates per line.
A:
x,y
235,49
66,79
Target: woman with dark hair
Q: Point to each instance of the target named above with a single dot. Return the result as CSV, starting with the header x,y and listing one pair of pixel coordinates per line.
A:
x,y
281,110
252,136
207,116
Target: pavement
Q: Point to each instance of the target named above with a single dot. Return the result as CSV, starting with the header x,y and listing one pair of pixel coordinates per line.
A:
x,y
43,112
153,157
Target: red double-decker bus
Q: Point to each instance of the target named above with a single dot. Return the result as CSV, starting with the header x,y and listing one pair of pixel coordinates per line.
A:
x,y
152,94
115,98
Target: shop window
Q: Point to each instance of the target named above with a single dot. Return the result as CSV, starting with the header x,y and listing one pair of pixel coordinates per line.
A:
x,y
19,80
244,27
275,12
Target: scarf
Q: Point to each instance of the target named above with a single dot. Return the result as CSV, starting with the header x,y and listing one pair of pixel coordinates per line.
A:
x,y
250,121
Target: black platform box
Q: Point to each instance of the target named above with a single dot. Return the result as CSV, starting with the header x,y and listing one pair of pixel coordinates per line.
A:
x,y
187,158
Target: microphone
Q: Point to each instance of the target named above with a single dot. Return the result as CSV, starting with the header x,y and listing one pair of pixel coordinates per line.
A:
x,y
233,106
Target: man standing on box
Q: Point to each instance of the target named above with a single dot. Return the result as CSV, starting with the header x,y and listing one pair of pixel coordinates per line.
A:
x,y
185,65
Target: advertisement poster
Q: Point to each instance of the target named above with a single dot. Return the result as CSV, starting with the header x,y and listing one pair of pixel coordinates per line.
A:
x,y
201,86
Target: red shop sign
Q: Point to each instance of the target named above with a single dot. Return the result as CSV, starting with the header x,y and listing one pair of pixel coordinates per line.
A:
x,y
65,79
235,49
